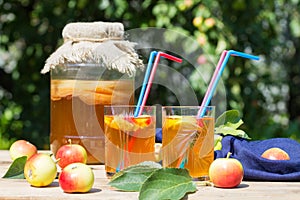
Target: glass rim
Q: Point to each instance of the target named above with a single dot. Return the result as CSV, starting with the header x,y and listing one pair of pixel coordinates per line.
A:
x,y
128,106
81,64
198,107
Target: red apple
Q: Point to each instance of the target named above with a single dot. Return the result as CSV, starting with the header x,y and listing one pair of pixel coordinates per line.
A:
x,y
275,154
40,170
226,172
71,153
76,177
22,148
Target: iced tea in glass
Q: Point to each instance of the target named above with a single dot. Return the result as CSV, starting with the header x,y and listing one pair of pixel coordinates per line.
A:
x,y
188,141
129,140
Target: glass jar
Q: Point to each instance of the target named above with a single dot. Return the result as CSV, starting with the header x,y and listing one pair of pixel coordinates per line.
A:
x,y
78,95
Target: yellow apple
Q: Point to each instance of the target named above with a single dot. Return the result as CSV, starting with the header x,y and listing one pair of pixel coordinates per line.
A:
x,y
40,170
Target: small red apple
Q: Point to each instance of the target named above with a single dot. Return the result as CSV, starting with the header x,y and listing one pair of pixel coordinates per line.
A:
x,y
76,177
71,153
22,148
40,170
226,172
275,154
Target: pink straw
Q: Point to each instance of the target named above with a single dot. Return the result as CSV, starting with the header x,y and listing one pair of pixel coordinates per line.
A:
x,y
149,84
217,75
213,79
147,91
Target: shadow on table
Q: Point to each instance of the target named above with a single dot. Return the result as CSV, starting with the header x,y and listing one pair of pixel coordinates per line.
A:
x,y
93,190
242,185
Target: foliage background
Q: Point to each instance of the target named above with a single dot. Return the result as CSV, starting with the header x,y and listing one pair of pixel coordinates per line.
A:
x,y
266,93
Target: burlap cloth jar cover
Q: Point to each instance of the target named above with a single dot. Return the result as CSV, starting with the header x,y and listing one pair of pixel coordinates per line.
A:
x,y
97,43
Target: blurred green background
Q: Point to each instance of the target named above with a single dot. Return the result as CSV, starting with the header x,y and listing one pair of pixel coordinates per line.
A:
x,y
266,93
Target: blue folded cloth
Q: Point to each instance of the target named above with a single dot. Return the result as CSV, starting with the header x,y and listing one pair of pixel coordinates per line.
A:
x,y
258,168
158,137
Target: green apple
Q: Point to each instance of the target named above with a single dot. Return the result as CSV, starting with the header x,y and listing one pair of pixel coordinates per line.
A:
x,y
40,170
226,172
22,148
71,153
76,177
275,154
158,147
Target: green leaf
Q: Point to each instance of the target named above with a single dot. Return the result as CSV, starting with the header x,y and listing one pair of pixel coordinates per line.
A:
x,y
234,125
228,124
16,169
218,143
228,130
167,183
132,178
232,116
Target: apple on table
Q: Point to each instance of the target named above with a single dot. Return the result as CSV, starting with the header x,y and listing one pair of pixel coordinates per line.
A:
x,y
226,172
22,148
40,170
70,153
76,178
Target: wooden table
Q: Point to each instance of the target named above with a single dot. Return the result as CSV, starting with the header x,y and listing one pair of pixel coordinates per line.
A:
x,y
20,189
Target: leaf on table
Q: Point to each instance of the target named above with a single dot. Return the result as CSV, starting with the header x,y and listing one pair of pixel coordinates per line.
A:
x,y
16,169
167,183
132,178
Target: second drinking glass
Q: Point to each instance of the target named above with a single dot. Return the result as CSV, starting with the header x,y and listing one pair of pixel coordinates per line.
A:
x,y
188,140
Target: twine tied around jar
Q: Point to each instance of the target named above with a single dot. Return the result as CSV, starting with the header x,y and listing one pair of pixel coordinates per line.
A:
x,y
95,43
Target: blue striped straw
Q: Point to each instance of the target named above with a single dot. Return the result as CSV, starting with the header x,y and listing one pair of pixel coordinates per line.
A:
x,y
146,78
214,81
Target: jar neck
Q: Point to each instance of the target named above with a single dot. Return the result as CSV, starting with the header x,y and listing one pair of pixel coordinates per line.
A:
x,y
87,72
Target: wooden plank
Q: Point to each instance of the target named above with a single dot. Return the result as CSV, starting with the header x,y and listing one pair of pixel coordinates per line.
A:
x,y
248,190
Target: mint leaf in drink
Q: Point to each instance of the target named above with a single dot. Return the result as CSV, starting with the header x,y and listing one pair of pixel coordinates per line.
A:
x,y
132,178
16,169
167,183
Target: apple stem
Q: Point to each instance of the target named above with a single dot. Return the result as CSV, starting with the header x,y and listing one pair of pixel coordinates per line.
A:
x,y
69,141
57,160
228,155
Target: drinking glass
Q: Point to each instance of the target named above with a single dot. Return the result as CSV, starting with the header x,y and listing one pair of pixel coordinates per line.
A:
x,y
129,140
188,140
